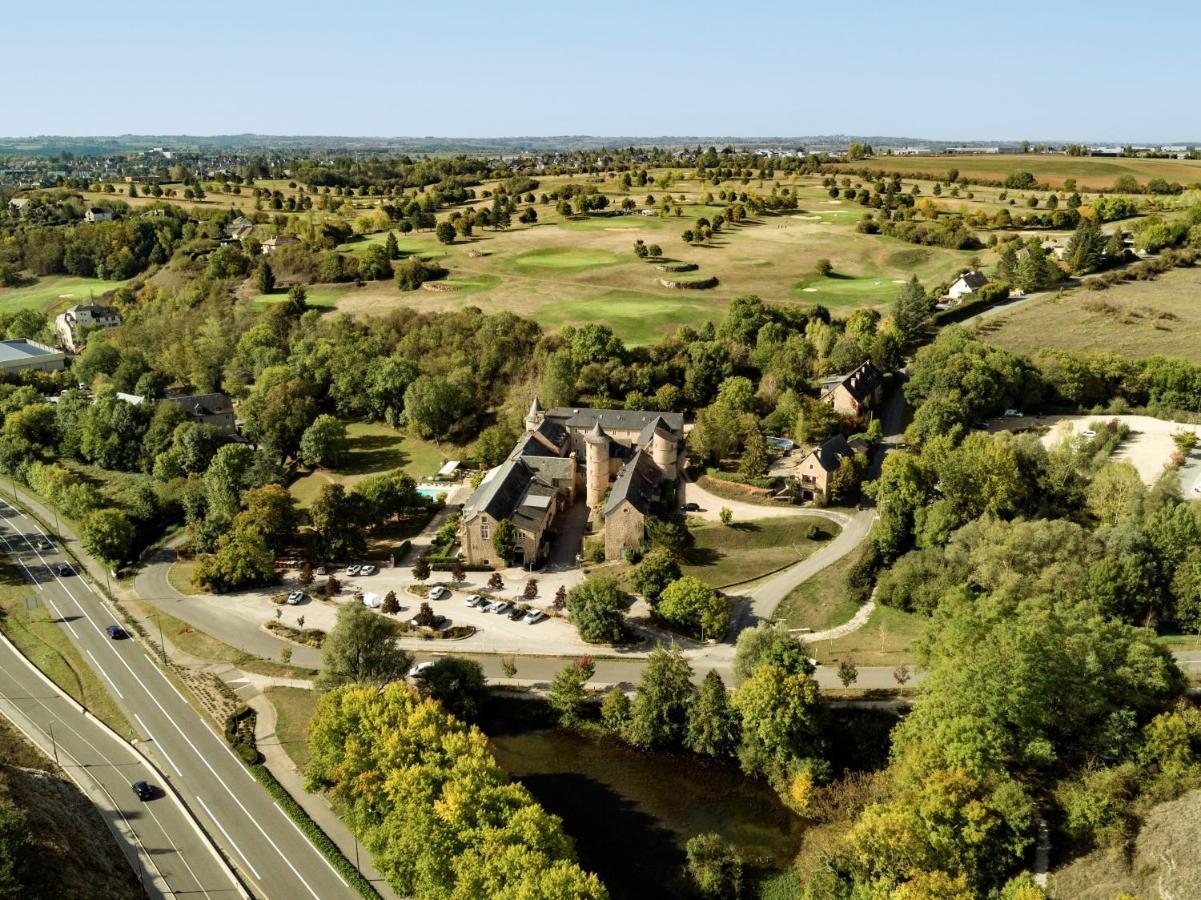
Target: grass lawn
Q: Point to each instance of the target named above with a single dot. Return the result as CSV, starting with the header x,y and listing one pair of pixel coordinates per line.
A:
x,y
376,447
883,640
637,318
198,643
731,554
564,259
822,601
33,627
54,292
1136,319
294,708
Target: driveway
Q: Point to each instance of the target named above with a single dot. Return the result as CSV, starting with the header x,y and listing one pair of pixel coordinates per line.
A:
x,y
711,506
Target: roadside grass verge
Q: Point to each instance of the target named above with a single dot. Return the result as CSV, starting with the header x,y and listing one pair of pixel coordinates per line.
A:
x,y
821,602
34,629
294,708
884,640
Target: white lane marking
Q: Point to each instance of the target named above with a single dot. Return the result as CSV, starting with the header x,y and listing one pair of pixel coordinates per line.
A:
x,y
158,745
217,822
100,669
302,834
183,857
196,750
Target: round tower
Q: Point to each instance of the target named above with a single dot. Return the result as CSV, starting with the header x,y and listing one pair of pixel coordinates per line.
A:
x,y
663,452
534,417
596,464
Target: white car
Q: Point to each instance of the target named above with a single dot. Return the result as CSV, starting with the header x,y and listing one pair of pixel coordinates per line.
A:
x,y
499,607
437,592
368,569
419,668
297,597
473,601
534,616
353,570
372,601
1088,433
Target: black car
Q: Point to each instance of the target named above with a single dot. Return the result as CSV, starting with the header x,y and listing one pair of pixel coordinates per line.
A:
x,y
63,569
116,632
692,507
516,613
143,790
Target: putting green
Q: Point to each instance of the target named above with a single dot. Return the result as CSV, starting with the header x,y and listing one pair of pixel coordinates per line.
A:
x,y
564,259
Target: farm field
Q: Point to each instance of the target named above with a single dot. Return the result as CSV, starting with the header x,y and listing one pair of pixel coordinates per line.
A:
x,y
54,293
1089,171
1136,319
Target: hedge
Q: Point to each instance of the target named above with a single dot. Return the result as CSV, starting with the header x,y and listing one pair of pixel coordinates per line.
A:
x,y
244,747
313,832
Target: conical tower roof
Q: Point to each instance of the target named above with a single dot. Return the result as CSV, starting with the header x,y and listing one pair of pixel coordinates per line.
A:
x,y
535,409
597,434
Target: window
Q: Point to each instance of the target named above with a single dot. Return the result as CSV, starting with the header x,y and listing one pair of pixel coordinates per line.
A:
x,y
484,531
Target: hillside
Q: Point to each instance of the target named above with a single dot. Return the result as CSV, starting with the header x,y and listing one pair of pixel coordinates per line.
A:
x,y
1166,862
74,851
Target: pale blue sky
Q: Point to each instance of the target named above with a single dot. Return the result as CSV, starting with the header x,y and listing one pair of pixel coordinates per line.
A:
x,y
1049,70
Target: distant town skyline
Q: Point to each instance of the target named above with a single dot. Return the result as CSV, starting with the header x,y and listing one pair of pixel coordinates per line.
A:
x,y
1001,73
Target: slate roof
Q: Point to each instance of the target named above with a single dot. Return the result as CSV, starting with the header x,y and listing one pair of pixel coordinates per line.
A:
x,y
504,494
860,383
614,419
637,482
974,280
830,454
553,432
205,404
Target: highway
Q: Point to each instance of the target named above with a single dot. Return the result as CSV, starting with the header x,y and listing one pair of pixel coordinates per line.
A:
x,y
169,853
274,858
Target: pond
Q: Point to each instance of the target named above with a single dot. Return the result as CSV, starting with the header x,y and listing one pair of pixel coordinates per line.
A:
x,y
630,813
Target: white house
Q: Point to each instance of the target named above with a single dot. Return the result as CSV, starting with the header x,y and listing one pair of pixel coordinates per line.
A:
x,y
967,283
73,325
98,214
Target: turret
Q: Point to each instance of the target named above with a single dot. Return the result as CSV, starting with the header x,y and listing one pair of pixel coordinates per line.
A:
x,y
596,464
534,417
664,452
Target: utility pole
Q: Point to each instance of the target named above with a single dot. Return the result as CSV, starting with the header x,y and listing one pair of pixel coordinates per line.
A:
x,y
162,643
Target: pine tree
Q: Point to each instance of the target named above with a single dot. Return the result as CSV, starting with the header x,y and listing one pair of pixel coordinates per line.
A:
x,y
755,458
713,723
390,246
264,278
911,311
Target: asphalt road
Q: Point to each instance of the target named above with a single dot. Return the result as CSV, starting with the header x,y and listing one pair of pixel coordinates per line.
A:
x,y
273,856
169,853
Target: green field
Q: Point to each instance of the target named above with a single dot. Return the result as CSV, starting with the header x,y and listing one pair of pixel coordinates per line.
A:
x,y
375,447
563,259
1089,171
54,293
724,555
639,318
294,708
822,601
884,640
1135,318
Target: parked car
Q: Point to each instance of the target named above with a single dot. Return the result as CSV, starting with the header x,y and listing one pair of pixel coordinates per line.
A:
x,y
353,570
437,592
373,601
692,507
500,607
368,569
323,570
516,613
473,601
534,616
1088,433
63,570
1013,413
116,632
297,597
419,668
436,622
143,790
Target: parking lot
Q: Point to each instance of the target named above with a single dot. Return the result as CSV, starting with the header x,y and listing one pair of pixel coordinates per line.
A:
x,y
495,633
1148,447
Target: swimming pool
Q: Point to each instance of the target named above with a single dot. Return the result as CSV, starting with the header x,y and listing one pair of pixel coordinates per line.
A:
x,y
433,490
783,443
